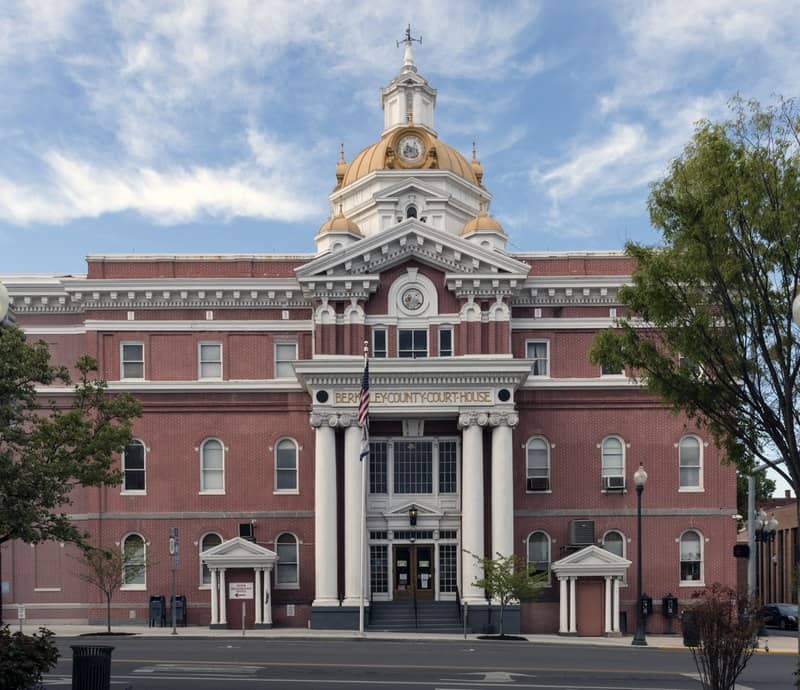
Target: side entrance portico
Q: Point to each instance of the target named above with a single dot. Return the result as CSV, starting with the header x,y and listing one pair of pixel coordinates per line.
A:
x,y
589,580
240,569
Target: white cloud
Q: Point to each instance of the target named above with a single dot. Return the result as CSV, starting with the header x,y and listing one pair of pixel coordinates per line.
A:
x,y
28,27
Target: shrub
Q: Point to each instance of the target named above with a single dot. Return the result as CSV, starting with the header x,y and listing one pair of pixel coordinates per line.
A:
x,y
24,658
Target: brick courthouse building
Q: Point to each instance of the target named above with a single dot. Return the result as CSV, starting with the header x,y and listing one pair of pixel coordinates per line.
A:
x,y
490,429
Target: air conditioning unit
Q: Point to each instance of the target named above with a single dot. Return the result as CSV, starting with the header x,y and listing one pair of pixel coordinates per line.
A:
x,y
581,532
247,531
538,484
614,483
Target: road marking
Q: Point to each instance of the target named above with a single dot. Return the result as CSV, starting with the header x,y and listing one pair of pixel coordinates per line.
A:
x,y
492,676
194,668
696,676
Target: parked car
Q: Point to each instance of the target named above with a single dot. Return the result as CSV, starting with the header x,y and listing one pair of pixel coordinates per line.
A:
x,y
783,616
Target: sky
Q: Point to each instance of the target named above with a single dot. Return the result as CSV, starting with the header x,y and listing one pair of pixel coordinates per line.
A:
x,y
214,126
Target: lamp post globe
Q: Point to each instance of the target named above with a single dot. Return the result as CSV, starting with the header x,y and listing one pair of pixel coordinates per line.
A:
x,y
639,480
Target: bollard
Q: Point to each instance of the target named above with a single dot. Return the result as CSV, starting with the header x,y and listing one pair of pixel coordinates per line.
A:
x,y
91,667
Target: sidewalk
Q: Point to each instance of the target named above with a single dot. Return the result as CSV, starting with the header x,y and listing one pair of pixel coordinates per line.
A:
x,y
774,644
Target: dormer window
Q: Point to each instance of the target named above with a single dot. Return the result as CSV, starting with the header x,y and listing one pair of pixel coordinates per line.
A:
x,y
411,212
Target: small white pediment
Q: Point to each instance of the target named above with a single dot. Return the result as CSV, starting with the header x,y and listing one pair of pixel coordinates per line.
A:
x,y
591,561
239,553
403,510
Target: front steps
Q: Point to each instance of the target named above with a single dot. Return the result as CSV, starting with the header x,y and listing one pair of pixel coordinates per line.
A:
x,y
398,616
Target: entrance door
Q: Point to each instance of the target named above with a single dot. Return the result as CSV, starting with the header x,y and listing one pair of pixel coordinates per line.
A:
x,y
413,572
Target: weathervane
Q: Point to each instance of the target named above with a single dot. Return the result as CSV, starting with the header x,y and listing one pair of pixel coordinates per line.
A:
x,y
408,40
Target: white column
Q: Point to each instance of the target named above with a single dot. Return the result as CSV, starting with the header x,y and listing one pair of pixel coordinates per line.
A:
x,y
472,508
259,600
607,591
214,598
268,596
563,606
502,484
573,600
615,606
352,515
325,542
223,598
436,571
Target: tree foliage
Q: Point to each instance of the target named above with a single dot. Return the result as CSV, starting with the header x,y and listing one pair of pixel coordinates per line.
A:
x,y
24,658
726,626
47,449
508,579
765,488
710,309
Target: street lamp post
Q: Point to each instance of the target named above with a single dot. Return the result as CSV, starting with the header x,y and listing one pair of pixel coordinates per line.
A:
x,y
765,531
639,479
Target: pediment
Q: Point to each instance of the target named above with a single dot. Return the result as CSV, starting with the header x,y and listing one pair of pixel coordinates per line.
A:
x,y
238,553
354,272
422,510
591,561
412,185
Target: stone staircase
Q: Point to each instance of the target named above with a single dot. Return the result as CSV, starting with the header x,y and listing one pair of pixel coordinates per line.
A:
x,y
398,616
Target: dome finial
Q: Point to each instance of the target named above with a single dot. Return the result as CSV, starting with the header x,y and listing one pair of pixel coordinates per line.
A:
x,y
341,153
408,58
474,153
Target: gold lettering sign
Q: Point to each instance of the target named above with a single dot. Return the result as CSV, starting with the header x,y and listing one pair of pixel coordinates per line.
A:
x,y
440,397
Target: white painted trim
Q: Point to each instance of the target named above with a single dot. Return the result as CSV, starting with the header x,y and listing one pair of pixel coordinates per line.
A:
x,y
566,323
189,386
47,589
300,325
53,330
597,382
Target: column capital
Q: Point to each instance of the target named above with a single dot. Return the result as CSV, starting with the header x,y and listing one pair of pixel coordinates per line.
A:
x,y
467,419
510,419
331,419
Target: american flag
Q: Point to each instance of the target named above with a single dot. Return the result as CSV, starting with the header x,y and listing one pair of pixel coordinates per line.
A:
x,y
363,411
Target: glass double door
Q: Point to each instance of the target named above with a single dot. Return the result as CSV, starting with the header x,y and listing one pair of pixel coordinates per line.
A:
x,y
413,572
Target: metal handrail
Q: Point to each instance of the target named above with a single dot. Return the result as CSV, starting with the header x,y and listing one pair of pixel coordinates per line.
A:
x,y
458,604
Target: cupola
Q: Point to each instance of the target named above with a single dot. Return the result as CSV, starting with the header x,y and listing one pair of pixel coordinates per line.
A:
x,y
485,231
337,232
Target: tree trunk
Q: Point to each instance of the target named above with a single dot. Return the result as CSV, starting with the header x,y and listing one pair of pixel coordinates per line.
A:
x,y
796,559
502,608
108,613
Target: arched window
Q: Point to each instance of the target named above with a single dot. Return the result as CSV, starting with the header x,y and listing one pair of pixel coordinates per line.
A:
x,y
133,467
212,467
691,549
539,552
411,212
690,463
538,464
286,466
287,571
209,541
613,464
614,542
134,572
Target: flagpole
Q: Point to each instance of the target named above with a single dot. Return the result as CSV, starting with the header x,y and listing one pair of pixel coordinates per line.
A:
x,y
364,461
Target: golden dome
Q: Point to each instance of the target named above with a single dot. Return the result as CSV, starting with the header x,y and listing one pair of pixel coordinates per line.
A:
x,y
482,223
476,166
384,155
340,223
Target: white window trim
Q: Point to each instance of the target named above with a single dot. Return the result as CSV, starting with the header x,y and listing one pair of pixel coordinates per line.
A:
x,y
134,492
134,587
624,464
200,376
288,585
700,487
200,551
702,581
296,490
385,332
549,472
276,361
546,341
549,582
212,492
122,376
624,582
413,329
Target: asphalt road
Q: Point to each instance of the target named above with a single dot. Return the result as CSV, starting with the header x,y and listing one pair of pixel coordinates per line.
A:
x,y
141,663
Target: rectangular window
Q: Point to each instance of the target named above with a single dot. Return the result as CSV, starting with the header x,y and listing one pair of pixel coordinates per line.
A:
x,y
610,370
445,341
379,568
448,575
285,354
413,467
379,342
377,467
287,570
286,466
133,477
448,478
538,465
210,360
132,360
412,342
538,352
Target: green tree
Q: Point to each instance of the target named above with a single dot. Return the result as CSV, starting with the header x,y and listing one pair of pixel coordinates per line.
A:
x,y
709,319
24,658
508,579
47,449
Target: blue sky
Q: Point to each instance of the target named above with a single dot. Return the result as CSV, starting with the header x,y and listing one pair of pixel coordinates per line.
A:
x,y
200,126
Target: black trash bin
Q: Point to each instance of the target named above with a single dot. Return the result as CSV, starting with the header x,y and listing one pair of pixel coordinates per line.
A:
x,y
91,667
180,610
158,611
690,629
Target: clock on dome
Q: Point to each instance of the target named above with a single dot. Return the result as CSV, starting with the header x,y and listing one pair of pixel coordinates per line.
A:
x,y
410,148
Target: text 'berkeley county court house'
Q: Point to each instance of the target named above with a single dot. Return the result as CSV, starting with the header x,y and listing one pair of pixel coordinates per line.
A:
x,y
490,430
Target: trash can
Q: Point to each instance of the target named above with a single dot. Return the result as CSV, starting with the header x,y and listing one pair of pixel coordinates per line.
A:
x,y
690,629
180,610
158,611
91,667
